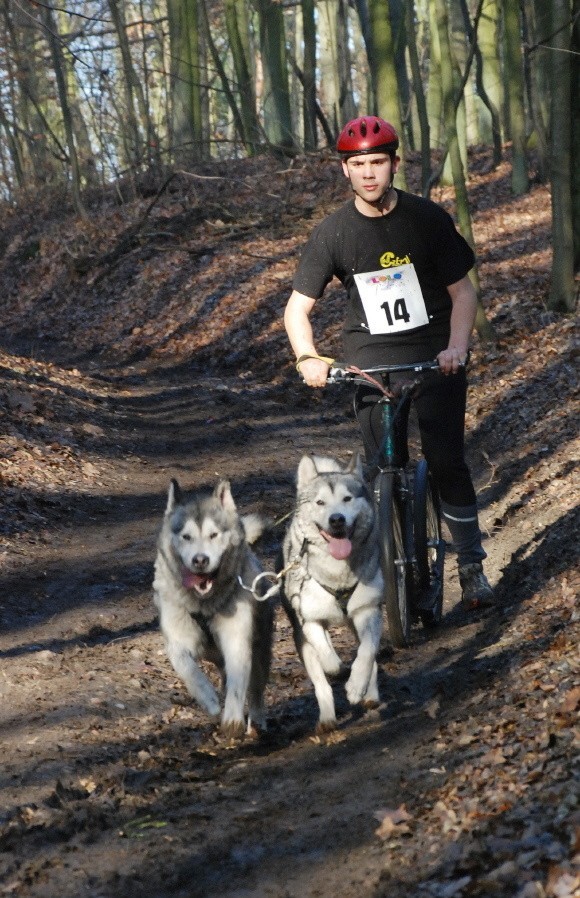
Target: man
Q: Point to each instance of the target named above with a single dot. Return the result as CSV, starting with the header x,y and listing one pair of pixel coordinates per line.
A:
x,y
405,269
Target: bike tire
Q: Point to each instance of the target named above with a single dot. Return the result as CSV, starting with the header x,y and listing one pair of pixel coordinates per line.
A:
x,y
393,560
429,547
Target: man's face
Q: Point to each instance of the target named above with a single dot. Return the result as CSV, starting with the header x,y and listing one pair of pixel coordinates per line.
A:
x,y
370,174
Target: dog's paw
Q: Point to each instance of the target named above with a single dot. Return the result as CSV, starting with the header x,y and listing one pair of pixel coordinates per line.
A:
x,y
370,704
233,729
354,693
255,731
212,707
325,726
339,672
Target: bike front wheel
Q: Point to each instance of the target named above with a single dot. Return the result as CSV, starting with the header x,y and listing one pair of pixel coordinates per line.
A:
x,y
429,547
393,559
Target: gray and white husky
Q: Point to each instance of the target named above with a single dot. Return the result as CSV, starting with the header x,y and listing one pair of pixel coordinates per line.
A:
x,y
205,611
333,575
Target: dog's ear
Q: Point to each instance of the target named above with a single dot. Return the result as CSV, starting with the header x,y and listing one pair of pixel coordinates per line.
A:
x,y
307,471
223,494
355,465
174,496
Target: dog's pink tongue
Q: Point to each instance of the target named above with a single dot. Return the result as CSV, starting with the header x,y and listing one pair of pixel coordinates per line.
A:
x,y
195,581
339,548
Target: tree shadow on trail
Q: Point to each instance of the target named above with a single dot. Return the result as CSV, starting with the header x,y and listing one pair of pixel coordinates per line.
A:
x,y
550,554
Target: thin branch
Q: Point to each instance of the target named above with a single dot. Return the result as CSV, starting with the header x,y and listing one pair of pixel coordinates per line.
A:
x,y
67,12
549,37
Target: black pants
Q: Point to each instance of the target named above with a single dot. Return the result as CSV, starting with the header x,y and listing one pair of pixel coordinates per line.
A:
x,y
440,407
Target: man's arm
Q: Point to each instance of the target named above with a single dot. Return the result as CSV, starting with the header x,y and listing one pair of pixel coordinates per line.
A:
x,y
464,302
299,330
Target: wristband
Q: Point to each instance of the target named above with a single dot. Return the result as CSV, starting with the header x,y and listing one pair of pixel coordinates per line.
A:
x,y
321,358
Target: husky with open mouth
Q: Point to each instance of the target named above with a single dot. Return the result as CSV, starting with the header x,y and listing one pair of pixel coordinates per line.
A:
x,y
333,576
203,567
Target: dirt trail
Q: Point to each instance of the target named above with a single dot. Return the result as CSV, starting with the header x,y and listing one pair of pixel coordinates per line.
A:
x,y
463,784
113,785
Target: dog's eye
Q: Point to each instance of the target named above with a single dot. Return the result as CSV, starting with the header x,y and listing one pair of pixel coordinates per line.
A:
x,y
347,499
320,502
186,537
213,535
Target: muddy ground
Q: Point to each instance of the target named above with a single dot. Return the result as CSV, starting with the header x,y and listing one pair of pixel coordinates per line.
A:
x,y
113,784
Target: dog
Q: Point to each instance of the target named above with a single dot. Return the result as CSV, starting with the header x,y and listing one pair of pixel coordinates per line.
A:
x,y
331,575
203,569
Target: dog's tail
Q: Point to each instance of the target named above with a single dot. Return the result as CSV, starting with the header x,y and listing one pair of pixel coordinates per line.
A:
x,y
254,526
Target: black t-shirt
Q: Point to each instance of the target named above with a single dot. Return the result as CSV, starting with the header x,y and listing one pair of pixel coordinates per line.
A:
x,y
416,231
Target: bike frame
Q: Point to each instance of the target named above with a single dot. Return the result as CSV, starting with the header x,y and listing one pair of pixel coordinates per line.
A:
x,y
394,493
389,454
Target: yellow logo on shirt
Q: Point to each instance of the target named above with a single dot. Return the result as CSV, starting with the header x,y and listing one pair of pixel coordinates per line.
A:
x,y
390,260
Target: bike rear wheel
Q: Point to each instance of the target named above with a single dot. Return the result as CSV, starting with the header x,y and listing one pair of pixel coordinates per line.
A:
x,y
393,559
429,547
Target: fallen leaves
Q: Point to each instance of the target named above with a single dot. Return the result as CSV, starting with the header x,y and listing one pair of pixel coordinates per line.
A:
x,y
43,456
494,808
392,822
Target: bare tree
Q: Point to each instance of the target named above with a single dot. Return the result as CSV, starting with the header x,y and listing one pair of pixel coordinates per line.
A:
x,y
309,87
480,80
58,62
515,96
238,30
186,105
140,129
383,70
575,109
276,99
483,326
419,98
562,290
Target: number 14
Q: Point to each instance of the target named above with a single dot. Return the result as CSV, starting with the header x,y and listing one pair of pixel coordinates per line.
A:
x,y
399,312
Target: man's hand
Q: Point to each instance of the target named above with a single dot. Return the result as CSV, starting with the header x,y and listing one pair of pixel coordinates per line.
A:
x,y
314,372
451,360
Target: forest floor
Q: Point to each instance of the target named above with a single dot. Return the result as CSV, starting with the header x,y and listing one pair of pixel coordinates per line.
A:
x,y
146,344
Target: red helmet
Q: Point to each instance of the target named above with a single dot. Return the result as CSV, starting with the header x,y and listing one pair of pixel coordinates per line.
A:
x,y
367,134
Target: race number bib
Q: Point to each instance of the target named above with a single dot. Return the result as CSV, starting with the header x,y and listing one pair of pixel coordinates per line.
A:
x,y
392,299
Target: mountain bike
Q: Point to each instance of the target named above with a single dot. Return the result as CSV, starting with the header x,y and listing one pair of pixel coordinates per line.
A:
x,y
408,507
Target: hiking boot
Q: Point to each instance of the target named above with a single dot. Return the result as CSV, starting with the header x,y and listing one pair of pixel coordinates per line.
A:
x,y
475,589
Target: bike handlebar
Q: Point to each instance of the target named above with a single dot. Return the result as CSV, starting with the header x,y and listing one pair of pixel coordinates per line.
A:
x,y
340,372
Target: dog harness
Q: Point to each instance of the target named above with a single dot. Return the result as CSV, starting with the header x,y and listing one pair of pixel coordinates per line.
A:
x,y
201,621
342,596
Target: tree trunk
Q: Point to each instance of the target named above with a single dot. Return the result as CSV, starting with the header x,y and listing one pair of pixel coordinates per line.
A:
x,y
58,63
31,139
515,96
346,106
219,67
131,128
540,13
238,30
14,148
362,10
488,43
84,148
533,86
329,84
186,114
384,73
480,85
482,325
575,162
562,290
276,98
419,98
309,68
399,29
138,116
434,94
459,47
